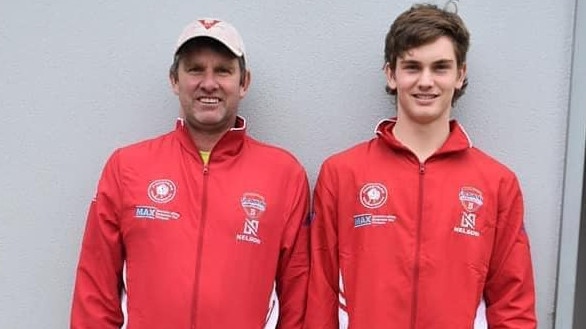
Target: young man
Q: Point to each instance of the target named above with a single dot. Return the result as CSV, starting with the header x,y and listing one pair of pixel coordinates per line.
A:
x,y
415,227
198,226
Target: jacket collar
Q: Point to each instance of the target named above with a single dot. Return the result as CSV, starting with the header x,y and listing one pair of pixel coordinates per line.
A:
x,y
457,141
228,146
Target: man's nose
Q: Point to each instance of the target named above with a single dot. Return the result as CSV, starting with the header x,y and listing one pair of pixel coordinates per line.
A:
x,y
209,81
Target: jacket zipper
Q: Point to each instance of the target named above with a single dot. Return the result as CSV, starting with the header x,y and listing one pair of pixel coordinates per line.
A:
x,y
198,253
416,266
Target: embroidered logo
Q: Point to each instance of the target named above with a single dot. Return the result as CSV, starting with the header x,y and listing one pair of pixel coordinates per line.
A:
x,y
370,219
208,24
147,212
254,206
471,200
373,195
162,190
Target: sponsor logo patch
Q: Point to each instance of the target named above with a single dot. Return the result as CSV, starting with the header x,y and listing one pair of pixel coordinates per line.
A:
x,y
373,195
162,190
254,206
362,220
471,200
147,212
370,219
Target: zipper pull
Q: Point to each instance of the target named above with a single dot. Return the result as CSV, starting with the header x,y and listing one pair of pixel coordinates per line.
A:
x,y
421,168
205,169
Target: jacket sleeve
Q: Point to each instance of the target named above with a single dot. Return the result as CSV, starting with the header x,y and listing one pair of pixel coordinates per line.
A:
x,y
323,291
509,290
97,293
293,267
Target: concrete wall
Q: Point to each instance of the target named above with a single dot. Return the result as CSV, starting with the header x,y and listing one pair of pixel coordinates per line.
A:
x,y
571,285
580,295
78,79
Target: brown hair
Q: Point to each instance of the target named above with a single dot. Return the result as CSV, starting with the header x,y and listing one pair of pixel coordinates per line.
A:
x,y
420,25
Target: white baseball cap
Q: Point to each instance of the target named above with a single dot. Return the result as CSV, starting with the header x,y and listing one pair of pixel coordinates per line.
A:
x,y
216,29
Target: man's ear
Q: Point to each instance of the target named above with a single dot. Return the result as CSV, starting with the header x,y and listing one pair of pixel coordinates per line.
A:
x,y
173,83
390,76
462,71
245,83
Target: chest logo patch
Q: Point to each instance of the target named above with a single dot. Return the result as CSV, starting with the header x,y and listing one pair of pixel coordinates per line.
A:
x,y
372,220
471,200
254,206
162,190
147,212
373,195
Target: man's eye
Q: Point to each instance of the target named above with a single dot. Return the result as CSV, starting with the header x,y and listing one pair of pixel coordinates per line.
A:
x,y
442,68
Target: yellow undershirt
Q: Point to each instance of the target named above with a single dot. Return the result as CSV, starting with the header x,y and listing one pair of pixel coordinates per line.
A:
x,y
205,156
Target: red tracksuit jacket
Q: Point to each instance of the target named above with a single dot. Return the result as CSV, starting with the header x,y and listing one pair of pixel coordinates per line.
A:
x,y
398,244
203,245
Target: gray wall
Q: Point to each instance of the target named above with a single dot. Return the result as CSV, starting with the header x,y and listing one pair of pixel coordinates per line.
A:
x,y
571,285
579,314
80,79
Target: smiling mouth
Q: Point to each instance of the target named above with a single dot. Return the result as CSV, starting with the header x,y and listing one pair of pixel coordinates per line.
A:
x,y
425,96
209,100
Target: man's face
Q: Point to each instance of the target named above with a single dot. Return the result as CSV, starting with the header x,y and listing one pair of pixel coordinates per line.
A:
x,y
209,88
426,78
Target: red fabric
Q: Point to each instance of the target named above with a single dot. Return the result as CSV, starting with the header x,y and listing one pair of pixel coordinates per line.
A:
x,y
449,232
209,267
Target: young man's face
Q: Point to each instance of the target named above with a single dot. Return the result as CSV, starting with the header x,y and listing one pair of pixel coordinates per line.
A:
x,y
209,88
425,79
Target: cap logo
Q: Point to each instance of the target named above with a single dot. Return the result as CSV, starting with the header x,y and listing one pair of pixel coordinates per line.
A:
x,y
208,24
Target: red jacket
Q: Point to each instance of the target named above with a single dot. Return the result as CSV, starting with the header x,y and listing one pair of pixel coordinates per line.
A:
x,y
203,244
398,244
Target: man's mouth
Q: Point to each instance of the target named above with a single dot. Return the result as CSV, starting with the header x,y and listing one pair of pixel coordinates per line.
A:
x,y
209,100
425,96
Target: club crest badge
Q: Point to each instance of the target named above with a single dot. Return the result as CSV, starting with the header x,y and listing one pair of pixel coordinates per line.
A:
x,y
373,195
162,190
470,198
253,205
